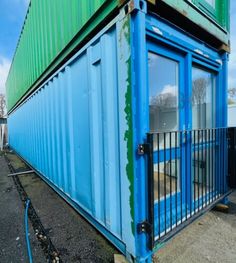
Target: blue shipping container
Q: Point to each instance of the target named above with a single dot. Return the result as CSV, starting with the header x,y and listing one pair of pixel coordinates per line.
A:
x,y
102,131
74,133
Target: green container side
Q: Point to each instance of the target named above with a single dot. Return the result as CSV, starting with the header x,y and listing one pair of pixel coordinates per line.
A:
x,y
48,29
213,18
218,10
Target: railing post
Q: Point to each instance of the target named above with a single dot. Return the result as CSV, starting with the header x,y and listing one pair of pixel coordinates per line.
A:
x,y
232,157
148,225
151,189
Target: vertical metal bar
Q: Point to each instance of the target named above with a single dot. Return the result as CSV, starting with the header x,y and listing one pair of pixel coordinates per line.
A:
x,y
198,156
202,164
212,164
205,170
220,162
223,160
186,174
176,182
220,156
158,179
216,164
181,176
165,178
151,190
209,165
191,172
221,153
194,167
170,182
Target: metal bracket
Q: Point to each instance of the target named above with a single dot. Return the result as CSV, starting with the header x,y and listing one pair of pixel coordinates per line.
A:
x,y
143,148
144,227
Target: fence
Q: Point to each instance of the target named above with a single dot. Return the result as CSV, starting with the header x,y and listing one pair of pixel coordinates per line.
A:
x,y
186,176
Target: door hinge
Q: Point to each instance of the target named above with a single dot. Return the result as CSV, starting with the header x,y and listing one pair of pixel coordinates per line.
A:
x,y
144,227
143,148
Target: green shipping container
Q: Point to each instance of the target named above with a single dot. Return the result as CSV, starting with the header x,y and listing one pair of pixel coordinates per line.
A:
x,y
53,29
210,15
49,27
217,10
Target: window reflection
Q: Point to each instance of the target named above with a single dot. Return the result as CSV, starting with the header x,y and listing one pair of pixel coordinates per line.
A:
x,y
166,178
163,93
203,99
202,170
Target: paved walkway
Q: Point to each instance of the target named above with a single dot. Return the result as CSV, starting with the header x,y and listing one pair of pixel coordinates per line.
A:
x,y
210,239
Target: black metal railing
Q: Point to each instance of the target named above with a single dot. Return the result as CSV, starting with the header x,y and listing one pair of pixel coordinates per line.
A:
x,y
232,157
187,176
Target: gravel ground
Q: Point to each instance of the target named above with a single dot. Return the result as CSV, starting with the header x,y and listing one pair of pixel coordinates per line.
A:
x,y
212,238
12,235
74,238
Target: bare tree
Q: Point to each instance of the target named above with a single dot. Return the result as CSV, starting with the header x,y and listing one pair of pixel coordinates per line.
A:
x,y
199,97
232,92
231,96
199,91
2,105
166,100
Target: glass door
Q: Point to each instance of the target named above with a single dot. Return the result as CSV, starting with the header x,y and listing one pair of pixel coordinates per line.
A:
x,y
203,98
166,117
204,146
163,93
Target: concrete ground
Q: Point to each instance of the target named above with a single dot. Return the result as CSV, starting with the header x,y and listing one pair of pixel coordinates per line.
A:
x,y
212,238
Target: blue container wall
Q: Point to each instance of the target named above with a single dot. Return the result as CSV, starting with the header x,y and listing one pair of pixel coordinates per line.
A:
x,y
72,131
81,127
153,33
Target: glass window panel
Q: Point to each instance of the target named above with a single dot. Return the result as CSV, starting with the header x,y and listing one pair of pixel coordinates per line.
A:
x,y
203,99
163,93
168,173
203,171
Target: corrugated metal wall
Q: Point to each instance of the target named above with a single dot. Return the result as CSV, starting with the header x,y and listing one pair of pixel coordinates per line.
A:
x,y
51,25
48,28
69,131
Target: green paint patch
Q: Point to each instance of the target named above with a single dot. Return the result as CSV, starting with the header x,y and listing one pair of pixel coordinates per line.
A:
x,y
129,132
129,139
